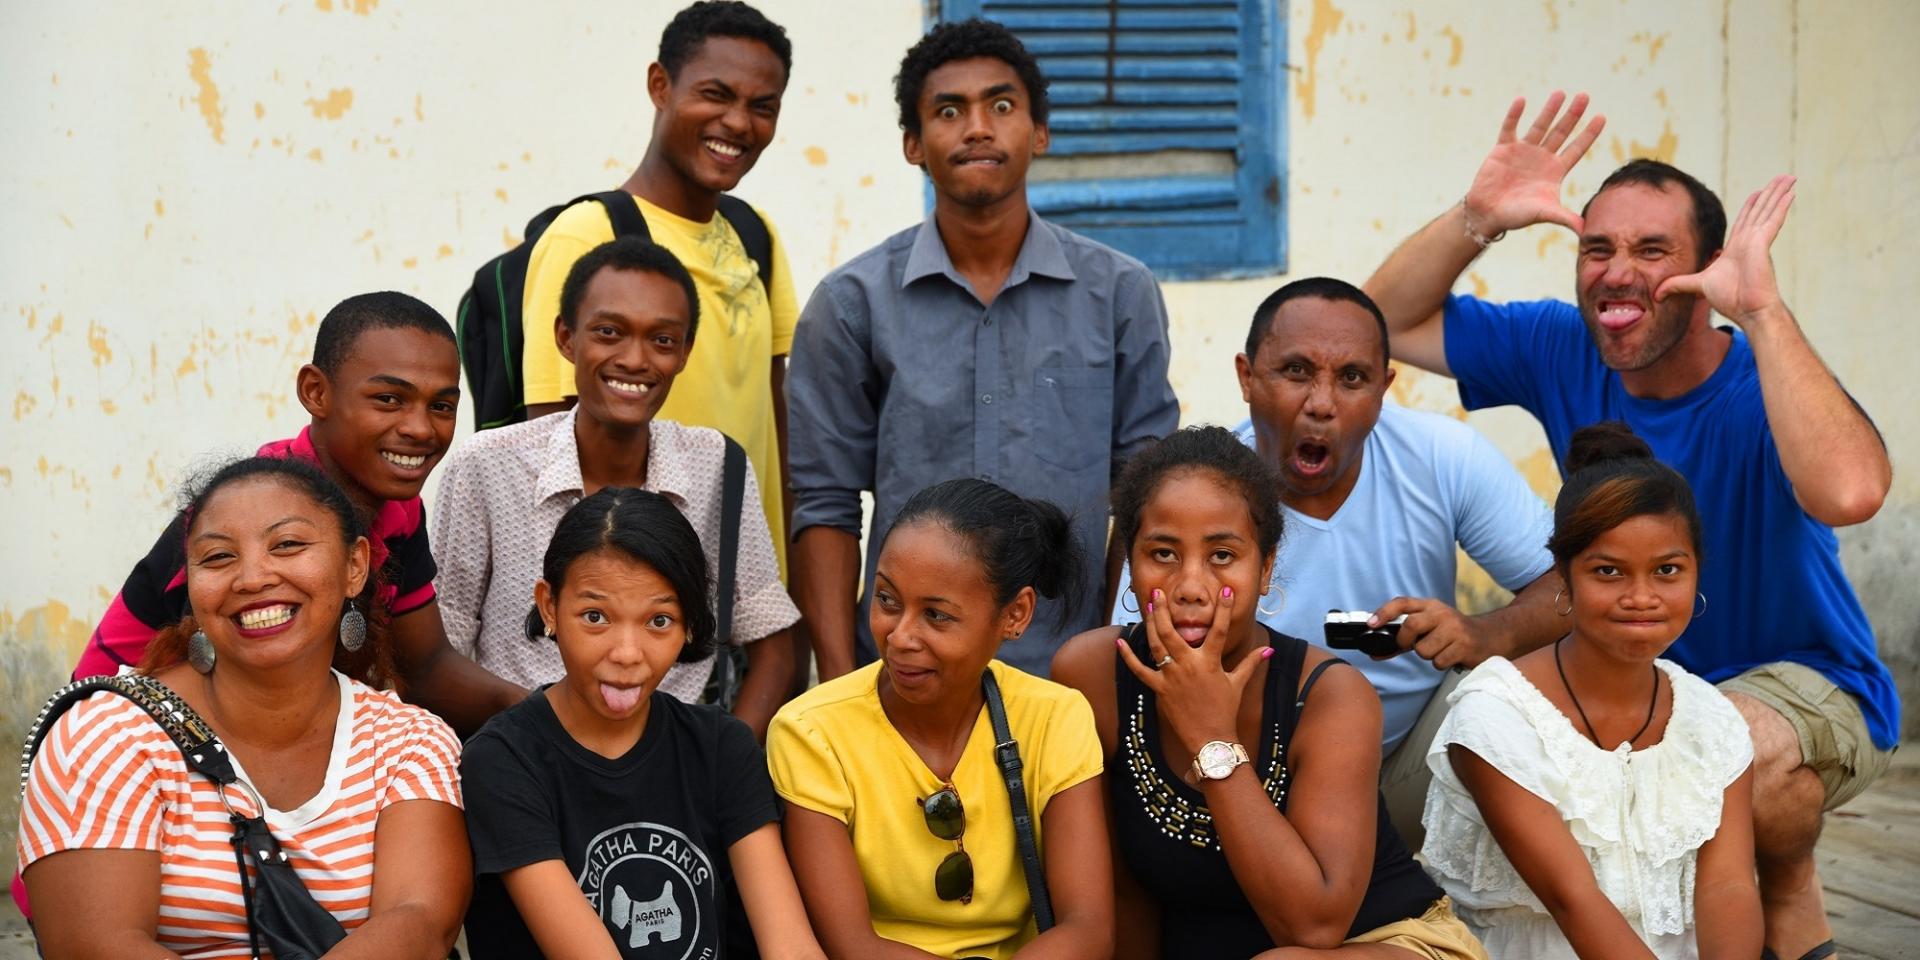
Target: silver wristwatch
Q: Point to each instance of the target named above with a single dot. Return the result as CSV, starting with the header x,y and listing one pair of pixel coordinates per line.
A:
x,y
1216,760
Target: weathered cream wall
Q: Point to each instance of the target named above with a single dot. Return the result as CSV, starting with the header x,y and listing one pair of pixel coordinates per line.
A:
x,y
187,187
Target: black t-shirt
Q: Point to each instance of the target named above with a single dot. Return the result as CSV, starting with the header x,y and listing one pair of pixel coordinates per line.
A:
x,y
646,836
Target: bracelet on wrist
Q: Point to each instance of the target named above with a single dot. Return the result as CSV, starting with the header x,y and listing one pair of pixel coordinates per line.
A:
x,y
1480,239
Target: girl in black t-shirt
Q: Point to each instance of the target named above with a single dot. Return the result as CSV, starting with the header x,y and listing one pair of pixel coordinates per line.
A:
x,y
607,819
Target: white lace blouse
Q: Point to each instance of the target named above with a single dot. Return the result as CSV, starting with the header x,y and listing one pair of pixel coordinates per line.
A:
x,y
1640,815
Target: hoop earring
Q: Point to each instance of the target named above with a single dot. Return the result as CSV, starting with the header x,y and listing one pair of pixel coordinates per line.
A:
x,y
1126,595
1282,605
1568,612
200,653
353,629
1702,611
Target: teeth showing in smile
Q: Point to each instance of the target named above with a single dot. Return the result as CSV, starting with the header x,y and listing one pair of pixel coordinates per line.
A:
x,y
261,618
400,461
632,389
724,149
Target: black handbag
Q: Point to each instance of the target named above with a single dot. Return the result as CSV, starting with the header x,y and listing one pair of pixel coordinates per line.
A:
x,y
1007,752
282,916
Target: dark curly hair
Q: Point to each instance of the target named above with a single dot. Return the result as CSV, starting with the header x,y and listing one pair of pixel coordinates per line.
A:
x,y
627,253
720,18
965,40
1212,449
373,663
648,529
342,327
1612,477
1320,288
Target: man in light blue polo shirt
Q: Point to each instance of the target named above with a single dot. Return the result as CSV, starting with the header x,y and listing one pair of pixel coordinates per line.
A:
x,y
1376,498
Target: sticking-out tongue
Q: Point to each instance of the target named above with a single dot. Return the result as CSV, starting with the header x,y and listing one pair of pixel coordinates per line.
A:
x,y
1619,316
620,699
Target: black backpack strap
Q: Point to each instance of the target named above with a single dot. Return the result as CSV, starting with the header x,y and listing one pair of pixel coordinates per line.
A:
x,y
733,493
1007,753
622,212
754,235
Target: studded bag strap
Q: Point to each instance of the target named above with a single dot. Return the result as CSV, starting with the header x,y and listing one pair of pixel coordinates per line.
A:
x,y
198,744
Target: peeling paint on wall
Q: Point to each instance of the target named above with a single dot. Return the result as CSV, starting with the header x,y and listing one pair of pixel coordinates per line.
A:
x,y
1326,19
200,68
336,104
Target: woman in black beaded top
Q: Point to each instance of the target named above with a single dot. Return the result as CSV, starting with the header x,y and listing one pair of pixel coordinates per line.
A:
x,y
1246,815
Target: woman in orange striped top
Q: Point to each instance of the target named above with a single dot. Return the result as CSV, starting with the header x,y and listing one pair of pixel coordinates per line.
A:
x,y
126,854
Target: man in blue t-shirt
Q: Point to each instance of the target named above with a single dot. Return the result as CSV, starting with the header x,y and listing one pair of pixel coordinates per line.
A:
x,y
1378,501
1777,452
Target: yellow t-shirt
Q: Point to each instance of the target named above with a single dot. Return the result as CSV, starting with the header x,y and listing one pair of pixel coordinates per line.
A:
x,y
833,751
743,326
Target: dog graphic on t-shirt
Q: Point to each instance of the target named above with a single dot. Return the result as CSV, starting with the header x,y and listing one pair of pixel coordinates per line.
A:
x,y
644,918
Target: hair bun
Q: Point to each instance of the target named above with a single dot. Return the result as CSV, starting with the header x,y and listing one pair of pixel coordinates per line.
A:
x,y
1604,441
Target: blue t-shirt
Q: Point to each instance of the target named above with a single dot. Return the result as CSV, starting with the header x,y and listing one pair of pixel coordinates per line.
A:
x,y
1426,483
1770,572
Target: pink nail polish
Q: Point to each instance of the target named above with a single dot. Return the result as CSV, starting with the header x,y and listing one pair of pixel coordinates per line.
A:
x,y
1226,593
1119,641
1150,603
1266,653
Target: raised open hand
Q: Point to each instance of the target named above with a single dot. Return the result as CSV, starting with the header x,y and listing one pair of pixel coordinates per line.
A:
x,y
1740,283
1518,185
1194,691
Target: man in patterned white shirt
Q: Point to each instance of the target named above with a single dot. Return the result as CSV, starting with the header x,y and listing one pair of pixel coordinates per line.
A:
x,y
628,315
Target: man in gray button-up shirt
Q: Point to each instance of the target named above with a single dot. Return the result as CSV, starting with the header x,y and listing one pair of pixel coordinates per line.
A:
x,y
983,342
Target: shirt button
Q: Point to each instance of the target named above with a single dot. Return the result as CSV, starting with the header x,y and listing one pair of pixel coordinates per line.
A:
x,y
986,398
987,319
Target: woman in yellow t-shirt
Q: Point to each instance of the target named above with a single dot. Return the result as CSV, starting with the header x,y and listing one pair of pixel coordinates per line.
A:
x,y
899,824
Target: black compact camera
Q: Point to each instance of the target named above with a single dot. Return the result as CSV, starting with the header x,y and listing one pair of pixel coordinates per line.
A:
x,y
1349,631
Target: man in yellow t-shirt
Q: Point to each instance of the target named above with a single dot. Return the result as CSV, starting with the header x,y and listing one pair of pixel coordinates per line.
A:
x,y
716,91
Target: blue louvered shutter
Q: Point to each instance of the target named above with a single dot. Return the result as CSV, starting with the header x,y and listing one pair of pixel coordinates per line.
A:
x,y
1167,122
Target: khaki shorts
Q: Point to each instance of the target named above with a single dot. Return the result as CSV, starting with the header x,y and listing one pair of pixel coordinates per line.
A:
x,y
1436,935
1833,732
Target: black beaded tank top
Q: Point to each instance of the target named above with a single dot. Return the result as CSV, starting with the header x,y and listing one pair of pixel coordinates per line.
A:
x,y
1166,836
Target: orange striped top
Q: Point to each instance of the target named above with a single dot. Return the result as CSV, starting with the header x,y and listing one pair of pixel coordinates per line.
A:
x,y
107,777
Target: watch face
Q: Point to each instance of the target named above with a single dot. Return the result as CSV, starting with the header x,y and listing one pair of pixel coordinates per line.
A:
x,y
1216,760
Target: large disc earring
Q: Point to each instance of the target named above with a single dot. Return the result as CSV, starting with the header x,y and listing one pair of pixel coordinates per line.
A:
x,y
353,629
200,653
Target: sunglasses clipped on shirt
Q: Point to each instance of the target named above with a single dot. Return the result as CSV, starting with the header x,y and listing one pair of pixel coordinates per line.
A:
x,y
947,819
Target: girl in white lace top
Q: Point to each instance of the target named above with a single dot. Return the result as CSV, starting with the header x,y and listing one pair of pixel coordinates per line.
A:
x,y
1589,799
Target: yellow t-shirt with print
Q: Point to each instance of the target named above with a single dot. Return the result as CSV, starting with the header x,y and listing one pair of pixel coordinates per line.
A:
x,y
832,750
726,384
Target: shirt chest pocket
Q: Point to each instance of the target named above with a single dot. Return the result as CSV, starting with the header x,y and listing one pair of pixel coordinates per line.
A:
x,y
1072,426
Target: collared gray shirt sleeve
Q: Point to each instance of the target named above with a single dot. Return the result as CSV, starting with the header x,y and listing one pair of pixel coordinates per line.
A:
x,y
833,396
1144,407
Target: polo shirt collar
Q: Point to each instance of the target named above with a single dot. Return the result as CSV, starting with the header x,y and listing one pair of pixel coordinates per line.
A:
x,y
668,472
1040,253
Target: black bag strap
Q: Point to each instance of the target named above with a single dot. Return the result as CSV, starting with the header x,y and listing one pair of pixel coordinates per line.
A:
x,y
294,925
755,238
1007,752
733,493
622,212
